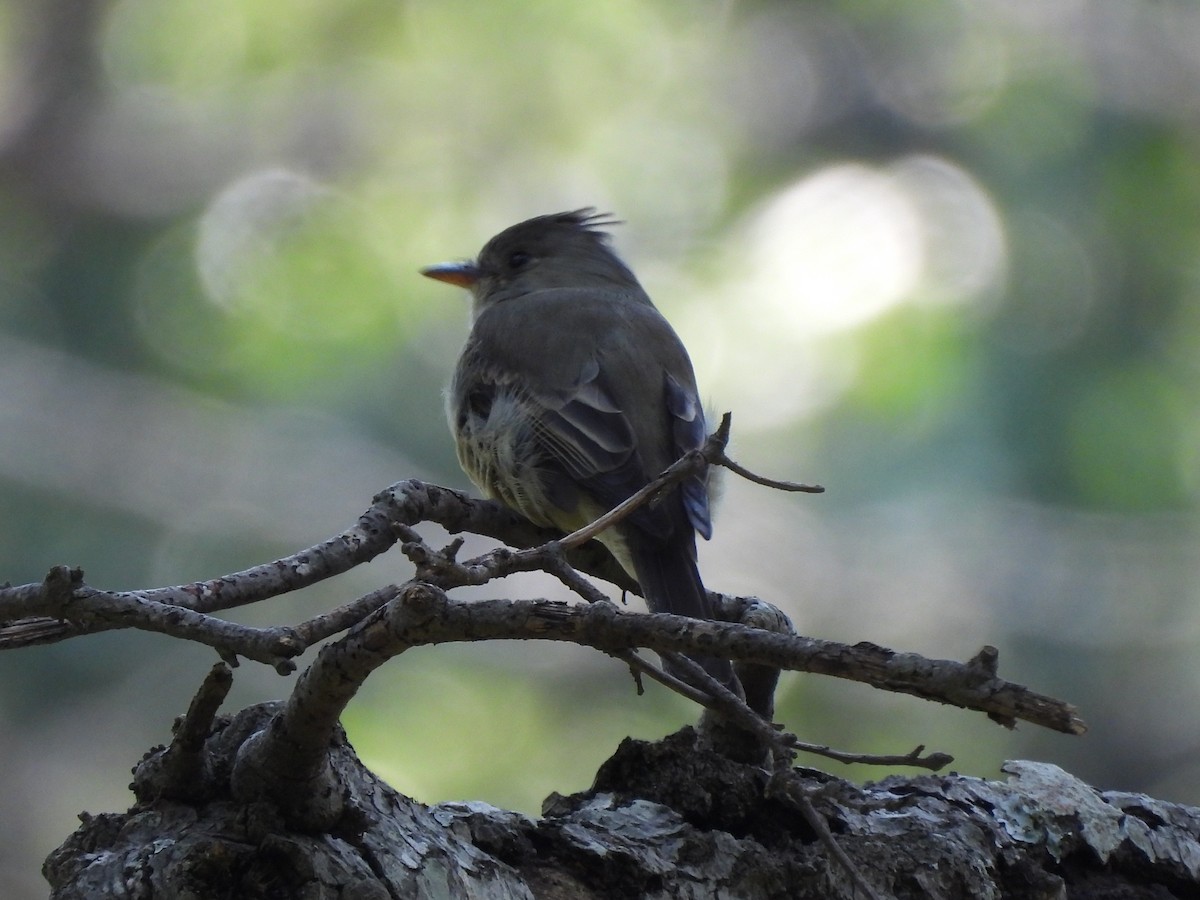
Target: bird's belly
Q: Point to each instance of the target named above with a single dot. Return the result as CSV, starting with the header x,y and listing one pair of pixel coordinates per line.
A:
x,y
500,452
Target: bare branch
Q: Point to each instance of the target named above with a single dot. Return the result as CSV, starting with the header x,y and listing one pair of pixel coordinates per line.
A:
x,y
290,753
792,486
423,614
31,614
787,786
782,744
288,758
934,761
178,773
67,597
328,624
687,466
714,452
441,567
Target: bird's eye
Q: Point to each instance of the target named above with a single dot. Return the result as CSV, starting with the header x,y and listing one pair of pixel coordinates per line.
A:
x,y
519,259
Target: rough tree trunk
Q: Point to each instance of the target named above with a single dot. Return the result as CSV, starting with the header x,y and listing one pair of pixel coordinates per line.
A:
x,y
665,819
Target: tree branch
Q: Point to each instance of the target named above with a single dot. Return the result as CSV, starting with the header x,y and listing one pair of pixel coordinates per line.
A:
x,y
34,614
287,760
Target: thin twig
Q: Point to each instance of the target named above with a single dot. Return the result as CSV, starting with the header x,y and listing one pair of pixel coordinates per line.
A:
x,y
784,784
611,630
666,679
784,744
688,465
714,452
934,761
338,620
441,568
775,484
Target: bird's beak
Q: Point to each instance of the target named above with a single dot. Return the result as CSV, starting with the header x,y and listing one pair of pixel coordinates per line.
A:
x,y
463,274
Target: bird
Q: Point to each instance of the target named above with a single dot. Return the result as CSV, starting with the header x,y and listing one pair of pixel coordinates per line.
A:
x,y
573,392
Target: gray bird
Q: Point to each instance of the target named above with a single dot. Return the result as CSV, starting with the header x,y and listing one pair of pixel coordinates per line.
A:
x,y
573,392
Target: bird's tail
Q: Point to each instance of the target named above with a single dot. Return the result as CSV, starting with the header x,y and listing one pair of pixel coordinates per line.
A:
x,y
671,584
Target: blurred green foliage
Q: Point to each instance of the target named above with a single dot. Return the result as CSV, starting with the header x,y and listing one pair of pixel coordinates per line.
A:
x,y
942,258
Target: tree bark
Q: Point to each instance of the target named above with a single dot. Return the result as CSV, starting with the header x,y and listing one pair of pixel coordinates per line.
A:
x,y
272,802
667,819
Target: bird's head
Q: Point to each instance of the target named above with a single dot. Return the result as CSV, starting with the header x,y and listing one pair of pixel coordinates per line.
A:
x,y
561,250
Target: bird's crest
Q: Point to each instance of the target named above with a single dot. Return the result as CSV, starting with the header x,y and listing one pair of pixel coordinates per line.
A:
x,y
587,219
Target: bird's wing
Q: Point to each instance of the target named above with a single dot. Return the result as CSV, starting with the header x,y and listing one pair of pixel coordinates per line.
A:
x,y
584,429
587,433
688,433
579,398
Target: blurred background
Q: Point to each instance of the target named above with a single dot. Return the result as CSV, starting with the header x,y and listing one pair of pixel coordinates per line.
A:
x,y
943,258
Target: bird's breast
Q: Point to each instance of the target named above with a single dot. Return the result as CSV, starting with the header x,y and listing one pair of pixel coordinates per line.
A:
x,y
497,448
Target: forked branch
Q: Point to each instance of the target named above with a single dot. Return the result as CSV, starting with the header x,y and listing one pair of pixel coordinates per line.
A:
x,y
387,621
